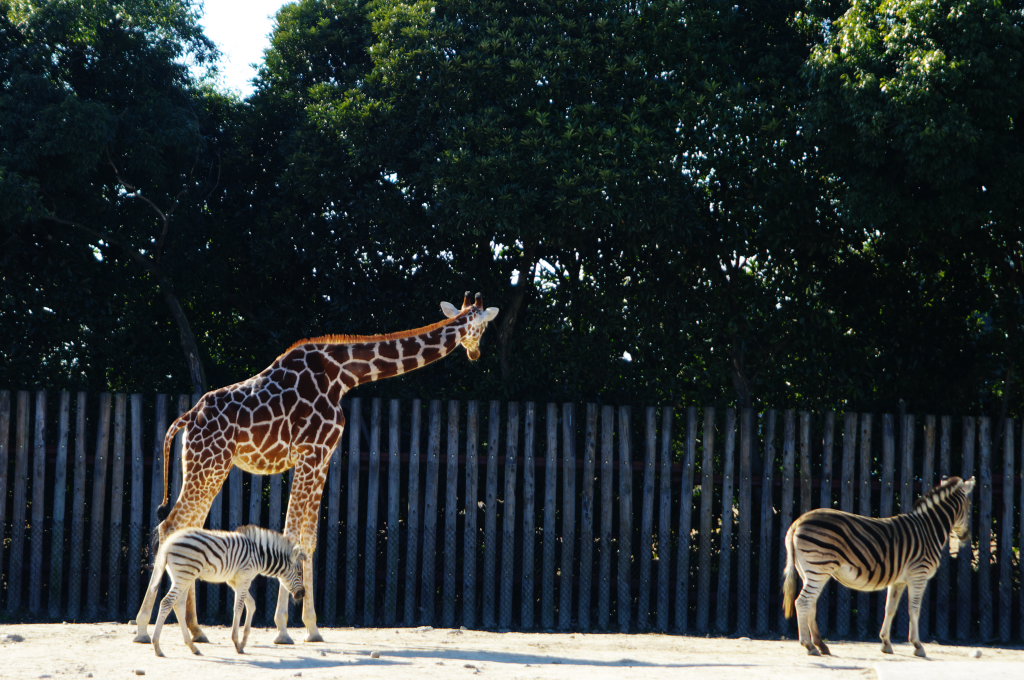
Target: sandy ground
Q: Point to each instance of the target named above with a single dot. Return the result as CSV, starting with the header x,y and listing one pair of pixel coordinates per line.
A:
x,y
104,651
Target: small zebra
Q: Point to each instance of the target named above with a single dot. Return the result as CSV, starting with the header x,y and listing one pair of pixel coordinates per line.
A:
x,y
866,553
232,557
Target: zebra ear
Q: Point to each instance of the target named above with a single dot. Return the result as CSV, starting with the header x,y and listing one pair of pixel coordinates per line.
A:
x,y
968,486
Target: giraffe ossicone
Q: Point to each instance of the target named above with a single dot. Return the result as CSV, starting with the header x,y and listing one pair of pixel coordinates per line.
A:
x,y
289,416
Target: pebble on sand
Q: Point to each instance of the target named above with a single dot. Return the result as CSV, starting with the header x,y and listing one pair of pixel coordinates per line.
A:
x,y
974,653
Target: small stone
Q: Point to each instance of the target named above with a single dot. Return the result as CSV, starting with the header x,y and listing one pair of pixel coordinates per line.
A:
x,y
298,675
422,629
974,654
139,671
323,653
374,654
469,665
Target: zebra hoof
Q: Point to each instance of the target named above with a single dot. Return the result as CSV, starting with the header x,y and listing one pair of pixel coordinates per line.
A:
x,y
920,652
811,651
142,638
283,639
315,637
824,649
886,649
200,636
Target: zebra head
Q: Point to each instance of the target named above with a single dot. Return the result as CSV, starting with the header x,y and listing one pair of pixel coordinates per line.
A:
x,y
961,531
293,578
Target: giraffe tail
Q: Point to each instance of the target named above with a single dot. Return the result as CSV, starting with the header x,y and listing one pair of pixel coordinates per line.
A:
x,y
182,421
789,586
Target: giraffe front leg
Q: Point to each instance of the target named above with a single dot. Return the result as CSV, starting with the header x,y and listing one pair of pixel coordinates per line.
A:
x,y
301,523
308,609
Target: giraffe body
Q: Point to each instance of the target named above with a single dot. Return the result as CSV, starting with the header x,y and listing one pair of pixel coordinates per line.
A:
x,y
289,416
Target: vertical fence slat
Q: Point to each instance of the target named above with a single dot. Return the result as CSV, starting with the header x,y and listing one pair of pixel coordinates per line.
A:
x,y
766,584
372,509
706,499
984,491
846,497
788,479
331,535
135,509
665,522
451,513
393,532
965,596
5,435
76,552
528,511
643,610
428,594
568,537
906,435
805,462
888,465
722,604
624,598
943,587
97,508
827,449
156,492
587,519
508,534
38,535
604,581
355,423
1005,546
115,535
686,523
864,620
489,613
471,544
745,505
60,488
1020,539
547,585
16,556
414,522
927,482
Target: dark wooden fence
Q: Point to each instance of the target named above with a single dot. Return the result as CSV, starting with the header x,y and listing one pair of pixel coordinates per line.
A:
x,y
519,515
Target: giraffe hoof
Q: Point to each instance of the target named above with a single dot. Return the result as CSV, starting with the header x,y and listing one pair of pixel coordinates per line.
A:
x,y
886,649
283,639
920,652
315,637
824,649
811,651
142,638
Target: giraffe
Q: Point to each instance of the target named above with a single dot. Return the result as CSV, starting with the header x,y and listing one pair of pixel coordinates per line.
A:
x,y
289,416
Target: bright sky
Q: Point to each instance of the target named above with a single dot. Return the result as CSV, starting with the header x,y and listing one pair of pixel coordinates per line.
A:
x,y
241,31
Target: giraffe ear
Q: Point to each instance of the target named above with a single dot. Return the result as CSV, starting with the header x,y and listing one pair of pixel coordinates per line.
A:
x,y
490,313
449,310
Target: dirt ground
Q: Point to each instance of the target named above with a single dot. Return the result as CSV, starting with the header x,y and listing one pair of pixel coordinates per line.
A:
x,y
104,651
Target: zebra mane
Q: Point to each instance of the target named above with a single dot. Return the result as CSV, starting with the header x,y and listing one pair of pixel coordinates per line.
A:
x,y
939,493
267,537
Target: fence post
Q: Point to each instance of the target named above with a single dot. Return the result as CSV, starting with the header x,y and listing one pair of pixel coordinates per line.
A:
x,y
766,584
706,499
643,610
846,495
489,616
99,488
528,510
17,550
943,589
624,599
451,512
864,620
77,549
508,537
743,535
471,544
393,535
587,518
430,493
5,435
686,522
547,586
984,491
135,509
157,471
964,579
724,602
788,480
355,423
60,488
565,581
1006,536
35,593
116,538
372,510
927,482
412,562
805,462
665,522
604,582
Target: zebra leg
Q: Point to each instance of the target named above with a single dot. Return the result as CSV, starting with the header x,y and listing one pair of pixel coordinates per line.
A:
x,y
179,612
806,614
236,615
915,594
146,610
892,601
250,611
166,604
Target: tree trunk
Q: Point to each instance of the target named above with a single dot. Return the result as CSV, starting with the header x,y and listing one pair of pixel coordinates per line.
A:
x,y
189,346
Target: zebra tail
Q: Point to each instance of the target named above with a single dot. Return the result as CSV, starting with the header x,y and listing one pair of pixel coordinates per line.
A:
x,y
183,420
789,586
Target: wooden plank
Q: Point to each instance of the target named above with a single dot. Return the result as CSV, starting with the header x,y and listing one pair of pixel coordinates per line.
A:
x,y
706,498
37,536
16,554
156,488
927,482
508,527
786,510
745,505
528,510
489,613
451,513
685,523
372,510
604,580
5,473
76,553
135,567
864,618
96,575
332,535
355,423
568,538
805,462
965,581
60,490
624,595
393,534
116,534
827,450
943,580
471,541
1020,534
414,521
906,435
665,522
767,585
888,465
986,625
430,495
643,609
846,504
548,567
724,602
588,480
1005,547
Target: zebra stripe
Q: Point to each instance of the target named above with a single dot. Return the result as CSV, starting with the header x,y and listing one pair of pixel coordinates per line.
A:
x,y
867,553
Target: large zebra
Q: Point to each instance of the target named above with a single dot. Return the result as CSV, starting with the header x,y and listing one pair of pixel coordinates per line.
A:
x,y
866,553
232,557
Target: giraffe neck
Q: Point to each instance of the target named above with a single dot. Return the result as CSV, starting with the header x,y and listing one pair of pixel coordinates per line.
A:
x,y
368,358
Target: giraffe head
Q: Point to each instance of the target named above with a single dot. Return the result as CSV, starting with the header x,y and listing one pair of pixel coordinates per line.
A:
x,y
477,318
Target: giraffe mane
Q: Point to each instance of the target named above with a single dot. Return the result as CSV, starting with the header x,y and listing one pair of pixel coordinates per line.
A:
x,y
340,339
